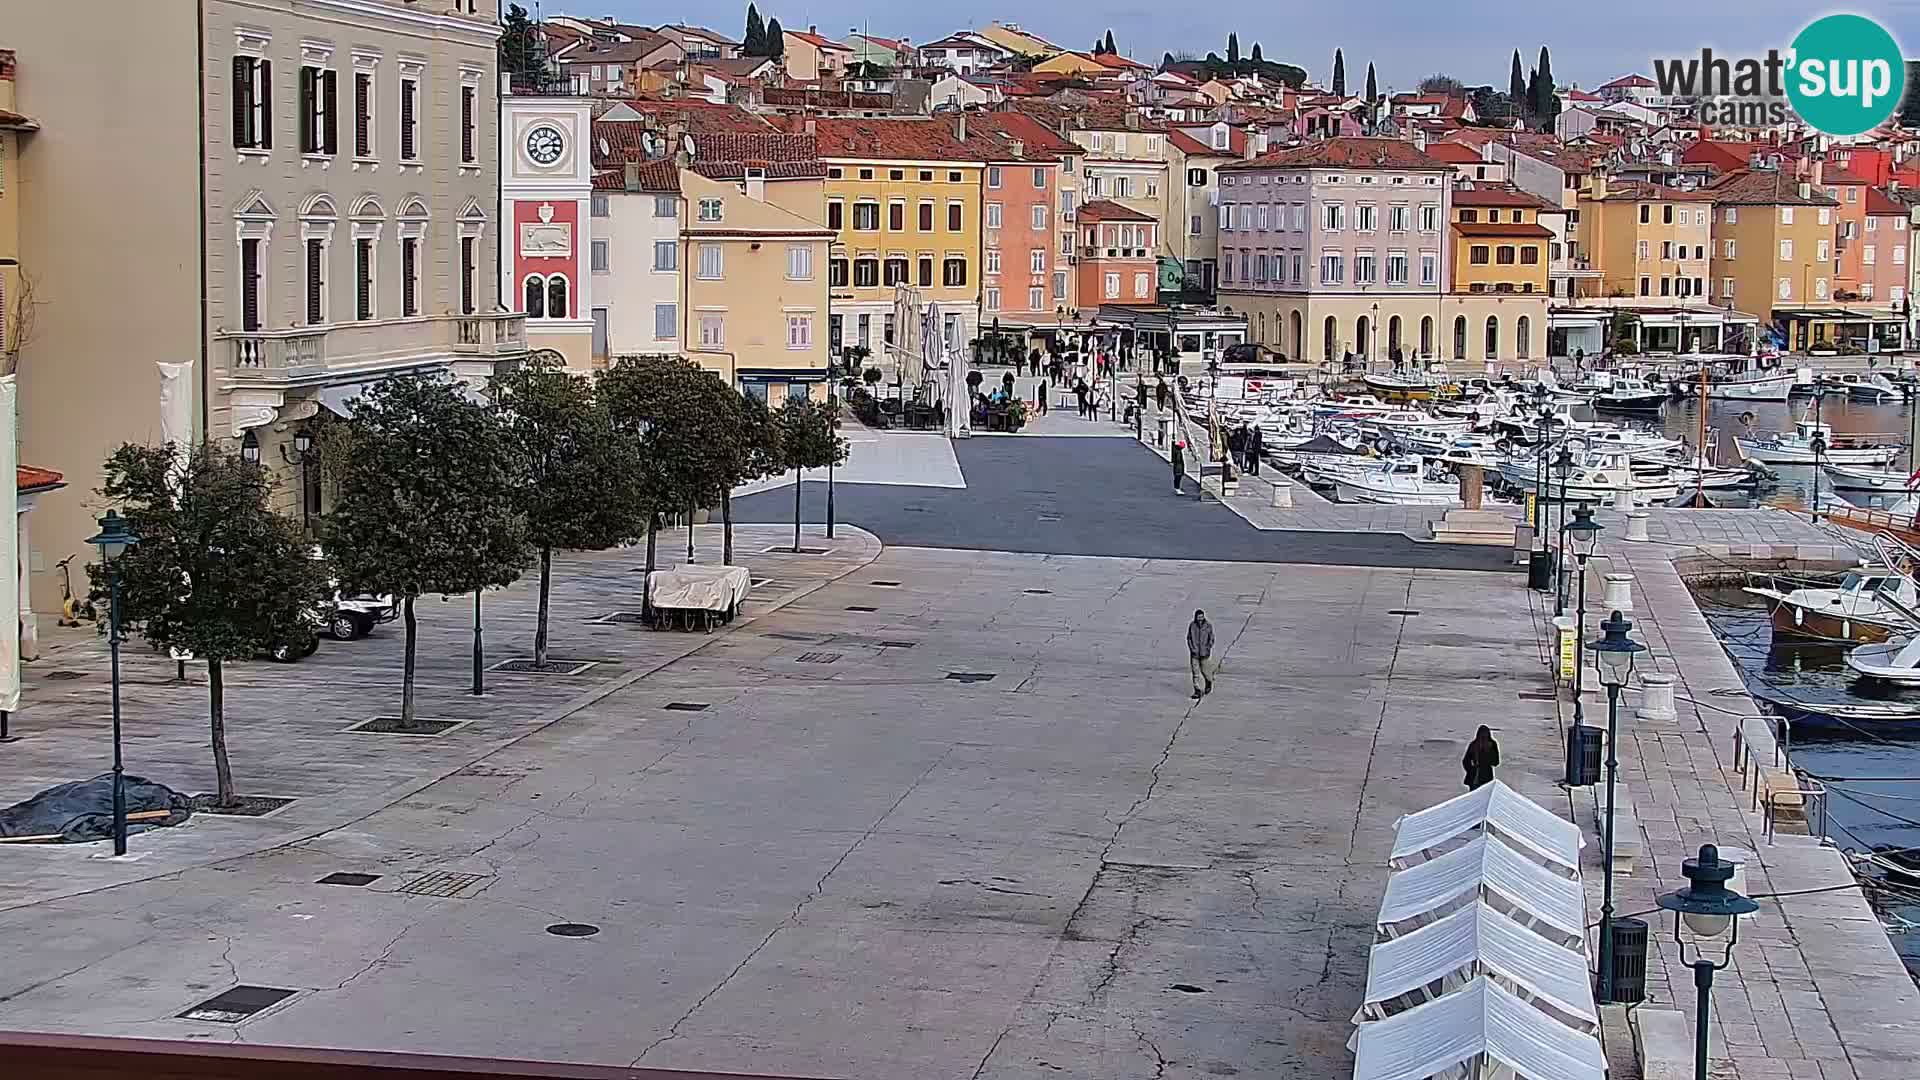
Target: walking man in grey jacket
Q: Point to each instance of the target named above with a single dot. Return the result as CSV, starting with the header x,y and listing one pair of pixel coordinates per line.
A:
x,y
1199,654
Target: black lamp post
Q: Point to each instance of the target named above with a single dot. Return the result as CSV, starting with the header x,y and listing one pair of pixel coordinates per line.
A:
x,y
833,427
302,448
113,540
479,649
1540,467
1562,468
1583,534
1709,909
1613,655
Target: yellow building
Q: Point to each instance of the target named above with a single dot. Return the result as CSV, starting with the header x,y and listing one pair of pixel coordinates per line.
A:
x,y
1773,248
904,202
12,126
1499,242
1646,240
754,259
1010,37
1071,63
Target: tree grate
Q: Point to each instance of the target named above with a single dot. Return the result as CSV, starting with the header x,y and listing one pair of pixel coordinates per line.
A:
x,y
818,658
444,883
784,635
349,879
861,607
524,665
970,676
896,644
420,728
884,584
687,706
785,550
237,1004
1535,695
1402,611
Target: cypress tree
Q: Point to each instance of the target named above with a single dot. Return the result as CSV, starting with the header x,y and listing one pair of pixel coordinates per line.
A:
x,y
1544,103
756,40
1233,48
1517,84
1111,51
1339,73
1373,88
776,40
1256,52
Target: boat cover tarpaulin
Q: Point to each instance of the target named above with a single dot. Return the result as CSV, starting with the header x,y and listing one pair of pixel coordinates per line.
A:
x,y
1477,941
699,588
1491,808
1484,863
83,810
1441,1038
1324,444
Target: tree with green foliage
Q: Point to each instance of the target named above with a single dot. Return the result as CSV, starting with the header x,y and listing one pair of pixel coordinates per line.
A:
x,y
1373,87
776,40
1256,52
1442,83
809,439
1110,50
1339,73
216,572
519,49
1546,103
1532,96
1233,48
426,499
755,42
1517,80
1490,104
578,484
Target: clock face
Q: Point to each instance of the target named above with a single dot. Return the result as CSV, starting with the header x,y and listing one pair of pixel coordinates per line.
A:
x,y
543,145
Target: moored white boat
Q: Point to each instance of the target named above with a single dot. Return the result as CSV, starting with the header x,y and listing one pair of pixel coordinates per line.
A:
x,y
1895,660
1863,478
1796,448
1865,606
1398,482
1773,386
1596,477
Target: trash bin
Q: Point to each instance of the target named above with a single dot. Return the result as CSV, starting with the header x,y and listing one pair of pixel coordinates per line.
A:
x,y
1540,571
1629,961
1583,755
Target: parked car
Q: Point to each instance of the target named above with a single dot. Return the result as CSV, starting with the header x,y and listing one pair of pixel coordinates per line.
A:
x,y
354,617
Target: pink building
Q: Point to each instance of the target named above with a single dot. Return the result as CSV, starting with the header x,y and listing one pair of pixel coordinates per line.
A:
x,y
1117,261
1883,250
1023,279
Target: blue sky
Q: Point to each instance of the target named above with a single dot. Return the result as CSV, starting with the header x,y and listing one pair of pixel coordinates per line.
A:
x,y
1406,39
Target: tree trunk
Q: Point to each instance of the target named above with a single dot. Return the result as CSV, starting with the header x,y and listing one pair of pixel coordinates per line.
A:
x,y
217,710
690,509
540,624
798,475
726,523
646,579
406,676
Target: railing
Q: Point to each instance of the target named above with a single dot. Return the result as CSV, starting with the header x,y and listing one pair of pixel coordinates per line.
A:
x,y
498,334
287,355
278,354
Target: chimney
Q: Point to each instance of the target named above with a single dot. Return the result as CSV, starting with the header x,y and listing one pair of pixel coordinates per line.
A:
x,y
811,29
1893,187
1819,171
1133,121
960,125
1599,186
632,177
1019,148
1806,190
813,129
1248,151
1260,138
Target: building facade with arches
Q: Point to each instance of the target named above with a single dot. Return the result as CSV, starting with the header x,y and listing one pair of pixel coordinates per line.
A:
x,y
313,208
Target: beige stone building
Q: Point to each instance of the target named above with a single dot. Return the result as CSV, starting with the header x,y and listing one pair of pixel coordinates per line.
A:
x,y
244,212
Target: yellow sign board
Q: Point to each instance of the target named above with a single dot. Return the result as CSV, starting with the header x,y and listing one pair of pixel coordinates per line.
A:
x,y
1569,652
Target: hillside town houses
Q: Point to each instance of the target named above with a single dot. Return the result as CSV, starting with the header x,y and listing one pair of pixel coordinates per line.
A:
x,y
343,189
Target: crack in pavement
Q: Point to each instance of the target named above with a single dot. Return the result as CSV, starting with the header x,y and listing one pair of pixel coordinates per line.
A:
x,y
793,917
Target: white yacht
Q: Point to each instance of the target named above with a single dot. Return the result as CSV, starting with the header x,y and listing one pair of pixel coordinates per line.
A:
x,y
1629,393
1399,482
1870,387
1596,477
1796,448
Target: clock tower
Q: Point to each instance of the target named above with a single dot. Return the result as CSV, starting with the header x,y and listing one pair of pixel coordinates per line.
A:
x,y
546,186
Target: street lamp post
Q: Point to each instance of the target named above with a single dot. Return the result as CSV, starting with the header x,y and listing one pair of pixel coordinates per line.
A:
x,y
113,540
1584,533
1613,654
833,424
1563,468
1709,908
479,650
1819,442
299,455
1541,458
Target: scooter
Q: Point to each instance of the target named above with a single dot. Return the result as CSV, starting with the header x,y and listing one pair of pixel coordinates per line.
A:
x,y
72,608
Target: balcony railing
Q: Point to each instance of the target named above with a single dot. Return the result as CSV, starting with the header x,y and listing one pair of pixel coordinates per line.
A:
x,y
497,334
300,353
279,354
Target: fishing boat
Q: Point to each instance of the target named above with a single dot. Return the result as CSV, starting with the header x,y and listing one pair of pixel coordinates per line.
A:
x,y
1796,448
1352,405
1412,385
1753,386
1399,482
1595,477
1862,478
1629,393
1861,608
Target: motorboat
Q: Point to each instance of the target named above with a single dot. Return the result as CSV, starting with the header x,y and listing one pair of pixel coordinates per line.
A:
x,y
1870,387
1863,478
1596,476
1629,393
1796,448
1411,385
1352,405
1639,445
1895,660
1753,386
1399,482
1710,477
1413,420
1861,608
1313,451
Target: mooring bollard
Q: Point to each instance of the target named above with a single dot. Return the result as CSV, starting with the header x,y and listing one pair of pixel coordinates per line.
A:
x,y
1656,697
1637,525
1282,493
1623,500
1619,593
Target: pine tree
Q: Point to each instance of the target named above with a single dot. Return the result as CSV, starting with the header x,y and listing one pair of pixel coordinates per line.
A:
x,y
1373,88
519,48
1339,74
1517,83
756,40
1256,52
1110,50
1546,105
776,40
1233,48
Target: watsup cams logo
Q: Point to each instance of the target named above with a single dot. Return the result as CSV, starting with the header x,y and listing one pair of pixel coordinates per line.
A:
x,y
1843,75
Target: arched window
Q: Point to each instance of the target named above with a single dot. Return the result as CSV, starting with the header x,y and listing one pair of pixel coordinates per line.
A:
x,y
557,297
536,297
1362,334
1332,333
1299,326
1426,336
1393,334
1459,337
1523,337
1493,337
1260,326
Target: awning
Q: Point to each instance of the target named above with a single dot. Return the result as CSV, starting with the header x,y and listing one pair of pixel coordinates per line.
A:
x,y
337,399
1486,869
1481,1018
1491,809
1479,941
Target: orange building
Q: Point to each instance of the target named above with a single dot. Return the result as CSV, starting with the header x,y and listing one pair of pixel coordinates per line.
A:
x,y
1850,226
1023,270
1117,261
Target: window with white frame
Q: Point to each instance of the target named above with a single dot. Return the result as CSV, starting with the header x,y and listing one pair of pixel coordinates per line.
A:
x,y
1365,213
1039,178
1153,187
1039,211
1899,254
1868,255
666,321
799,332
1299,268
1726,287
252,97
711,209
410,120
1820,288
1194,223
1642,249
1429,267
799,262
712,262
1873,224
993,176
993,260
1733,215
1059,285
666,206
1037,261
1036,298
1365,268
1140,286
1727,249
1333,216
991,296
1112,284
319,108
1396,268
1786,249
363,278
1397,217
666,255
1333,268
1429,217
993,215
1786,288
597,205
1786,215
713,330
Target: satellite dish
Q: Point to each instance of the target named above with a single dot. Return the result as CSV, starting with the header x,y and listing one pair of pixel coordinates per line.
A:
x,y
686,143
650,144
605,150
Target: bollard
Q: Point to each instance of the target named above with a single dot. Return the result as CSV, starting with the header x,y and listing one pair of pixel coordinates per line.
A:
x,y
1282,494
1619,593
1160,432
1623,500
1637,525
1656,697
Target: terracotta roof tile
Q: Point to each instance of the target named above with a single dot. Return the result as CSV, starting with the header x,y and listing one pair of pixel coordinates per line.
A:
x,y
1879,202
1499,195
816,40
1346,153
1108,210
900,140
1765,187
657,177
728,155
1454,153
1641,191
1501,228
1038,141
33,478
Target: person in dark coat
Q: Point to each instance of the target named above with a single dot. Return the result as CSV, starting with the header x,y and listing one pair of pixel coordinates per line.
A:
x,y
1237,446
1080,391
1200,654
1256,445
1160,393
1040,395
1179,465
1481,758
